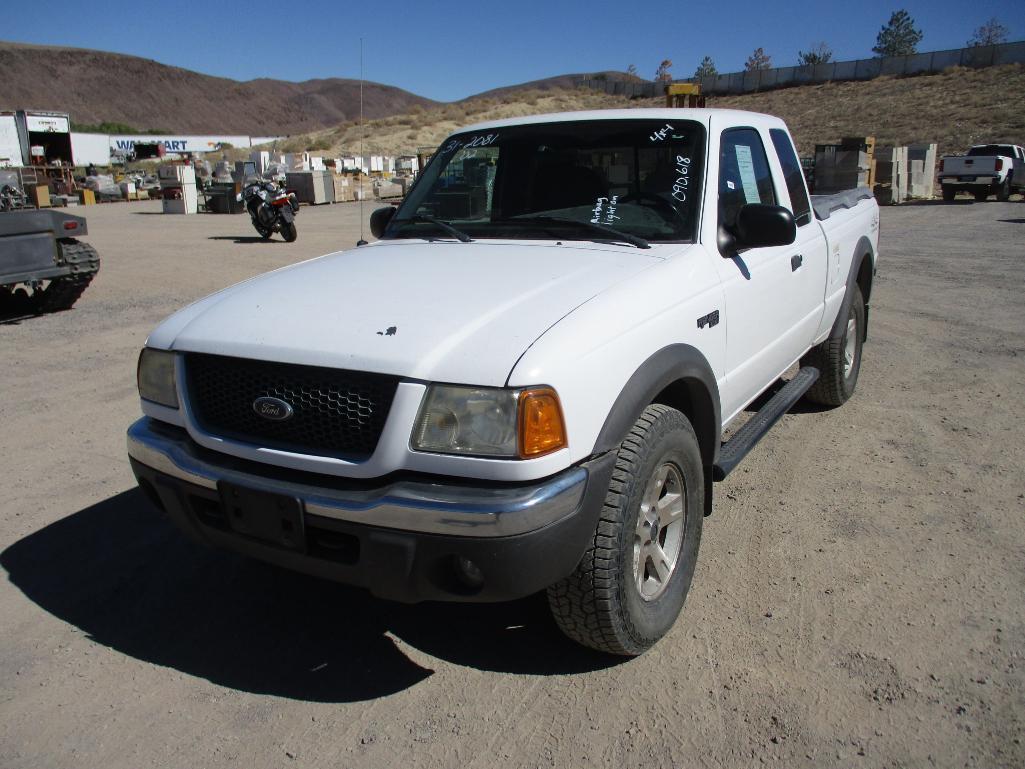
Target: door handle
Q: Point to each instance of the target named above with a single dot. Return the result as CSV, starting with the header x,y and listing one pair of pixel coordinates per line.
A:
x,y
796,261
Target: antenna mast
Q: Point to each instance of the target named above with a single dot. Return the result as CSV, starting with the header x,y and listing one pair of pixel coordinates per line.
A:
x,y
362,241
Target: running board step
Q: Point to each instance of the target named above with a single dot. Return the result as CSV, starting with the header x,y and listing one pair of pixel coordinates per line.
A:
x,y
746,438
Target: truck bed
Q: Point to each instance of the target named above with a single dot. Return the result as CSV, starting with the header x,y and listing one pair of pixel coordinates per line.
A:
x,y
825,205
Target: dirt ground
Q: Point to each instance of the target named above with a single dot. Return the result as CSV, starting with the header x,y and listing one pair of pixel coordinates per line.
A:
x,y
859,601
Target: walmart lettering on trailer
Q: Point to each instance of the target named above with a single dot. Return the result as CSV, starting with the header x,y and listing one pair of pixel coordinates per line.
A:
x,y
180,144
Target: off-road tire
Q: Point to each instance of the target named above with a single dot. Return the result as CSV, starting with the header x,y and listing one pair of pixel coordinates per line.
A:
x,y
600,604
64,291
1004,193
836,383
949,194
289,232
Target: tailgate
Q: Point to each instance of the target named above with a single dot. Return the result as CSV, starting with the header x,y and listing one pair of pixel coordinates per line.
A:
x,y
964,165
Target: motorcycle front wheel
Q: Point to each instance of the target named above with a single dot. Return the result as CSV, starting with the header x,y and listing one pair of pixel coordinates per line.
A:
x,y
289,232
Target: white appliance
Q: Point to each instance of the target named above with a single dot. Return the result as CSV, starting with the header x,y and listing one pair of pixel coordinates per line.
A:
x,y
178,189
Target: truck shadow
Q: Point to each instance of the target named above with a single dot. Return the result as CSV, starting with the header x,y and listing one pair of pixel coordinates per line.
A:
x,y
125,576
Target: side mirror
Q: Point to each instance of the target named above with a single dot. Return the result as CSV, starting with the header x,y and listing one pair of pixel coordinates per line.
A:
x,y
759,226
379,220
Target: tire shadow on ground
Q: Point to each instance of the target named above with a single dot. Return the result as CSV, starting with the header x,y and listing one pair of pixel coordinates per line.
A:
x,y
119,571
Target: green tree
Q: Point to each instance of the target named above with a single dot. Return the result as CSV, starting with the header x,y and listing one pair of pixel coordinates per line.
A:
x,y
662,74
111,127
898,37
990,33
706,68
759,59
820,54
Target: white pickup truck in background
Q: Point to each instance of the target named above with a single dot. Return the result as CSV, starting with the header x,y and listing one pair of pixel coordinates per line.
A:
x,y
523,385
986,169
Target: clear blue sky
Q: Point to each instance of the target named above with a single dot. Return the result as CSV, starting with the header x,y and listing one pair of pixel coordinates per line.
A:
x,y
447,51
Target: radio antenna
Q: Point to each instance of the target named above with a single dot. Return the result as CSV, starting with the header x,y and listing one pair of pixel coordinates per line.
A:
x,y
362,241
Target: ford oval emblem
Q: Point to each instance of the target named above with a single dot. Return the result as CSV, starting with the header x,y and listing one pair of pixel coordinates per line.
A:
x,y
273,409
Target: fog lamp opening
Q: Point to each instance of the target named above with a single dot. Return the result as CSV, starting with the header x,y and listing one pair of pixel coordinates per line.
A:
x,y
468,573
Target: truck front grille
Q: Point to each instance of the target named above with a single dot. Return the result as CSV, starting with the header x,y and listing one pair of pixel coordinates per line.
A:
x,y
334,412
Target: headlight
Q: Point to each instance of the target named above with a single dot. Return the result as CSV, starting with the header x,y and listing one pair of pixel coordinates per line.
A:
x,y
156,377
489,421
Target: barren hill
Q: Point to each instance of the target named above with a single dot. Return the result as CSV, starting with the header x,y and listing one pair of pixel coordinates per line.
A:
x,y
554,83
96,86
955,109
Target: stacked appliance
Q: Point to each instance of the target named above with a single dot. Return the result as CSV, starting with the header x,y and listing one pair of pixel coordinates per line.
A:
x,y
178,189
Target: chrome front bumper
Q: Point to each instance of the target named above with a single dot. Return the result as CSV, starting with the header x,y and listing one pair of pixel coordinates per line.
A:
x,y
485,510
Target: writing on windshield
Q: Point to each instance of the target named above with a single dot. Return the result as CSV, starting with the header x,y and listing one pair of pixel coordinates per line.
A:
x,y
640,177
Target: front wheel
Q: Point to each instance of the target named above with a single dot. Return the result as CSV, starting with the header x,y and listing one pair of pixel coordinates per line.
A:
x,y
289,232
630,585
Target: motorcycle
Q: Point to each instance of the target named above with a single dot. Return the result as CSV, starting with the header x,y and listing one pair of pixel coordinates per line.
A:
x,y
271,208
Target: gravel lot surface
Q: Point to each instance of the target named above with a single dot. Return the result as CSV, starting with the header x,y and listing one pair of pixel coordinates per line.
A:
x,y
859,601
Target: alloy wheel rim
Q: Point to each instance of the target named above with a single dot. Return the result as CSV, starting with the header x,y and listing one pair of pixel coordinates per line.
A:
x,y
658,537
850,347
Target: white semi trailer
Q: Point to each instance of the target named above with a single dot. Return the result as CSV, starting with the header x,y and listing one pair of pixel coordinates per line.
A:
x,y
35,137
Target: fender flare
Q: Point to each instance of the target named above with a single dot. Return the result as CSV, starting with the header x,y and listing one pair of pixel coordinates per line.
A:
x,y
862,251
672,364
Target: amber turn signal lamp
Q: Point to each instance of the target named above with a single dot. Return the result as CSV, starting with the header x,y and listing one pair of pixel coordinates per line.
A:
x,y
542,430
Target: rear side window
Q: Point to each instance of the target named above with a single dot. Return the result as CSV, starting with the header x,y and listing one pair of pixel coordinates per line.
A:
x,y
792,175
744,175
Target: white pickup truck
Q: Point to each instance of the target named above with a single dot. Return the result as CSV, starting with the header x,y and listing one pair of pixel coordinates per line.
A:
x,y
986,169
523,385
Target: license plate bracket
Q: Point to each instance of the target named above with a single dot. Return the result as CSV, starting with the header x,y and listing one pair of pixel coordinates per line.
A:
x,y
276,519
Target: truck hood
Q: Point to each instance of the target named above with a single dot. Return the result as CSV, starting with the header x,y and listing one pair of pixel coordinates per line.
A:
x,y
435,311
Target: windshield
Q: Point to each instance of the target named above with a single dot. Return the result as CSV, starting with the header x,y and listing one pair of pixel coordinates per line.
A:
x,y
990,150
578,180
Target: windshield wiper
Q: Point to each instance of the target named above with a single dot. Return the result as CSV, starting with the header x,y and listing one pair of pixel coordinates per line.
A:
x,y
604,228
459,235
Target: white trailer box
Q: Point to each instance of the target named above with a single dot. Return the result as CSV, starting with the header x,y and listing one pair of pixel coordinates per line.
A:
x,y
90,149
10,145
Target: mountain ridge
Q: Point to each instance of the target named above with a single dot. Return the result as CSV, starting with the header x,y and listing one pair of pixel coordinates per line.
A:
x,y
91,85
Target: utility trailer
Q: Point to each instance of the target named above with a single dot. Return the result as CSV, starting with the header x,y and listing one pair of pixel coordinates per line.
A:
x,y
43,265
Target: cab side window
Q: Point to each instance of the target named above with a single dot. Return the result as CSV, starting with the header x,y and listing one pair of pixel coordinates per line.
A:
x,y
744,175
793,176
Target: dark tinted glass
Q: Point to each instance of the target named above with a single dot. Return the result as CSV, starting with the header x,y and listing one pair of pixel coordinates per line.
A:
x,y
744,175
792,175
990,150
641,177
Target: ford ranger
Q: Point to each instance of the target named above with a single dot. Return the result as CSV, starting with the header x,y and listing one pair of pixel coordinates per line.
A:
x,y
523,384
